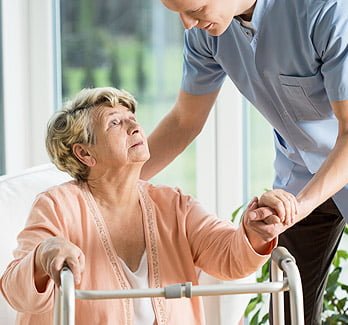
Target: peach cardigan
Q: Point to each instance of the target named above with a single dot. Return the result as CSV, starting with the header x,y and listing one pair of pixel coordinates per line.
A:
x,y
180,235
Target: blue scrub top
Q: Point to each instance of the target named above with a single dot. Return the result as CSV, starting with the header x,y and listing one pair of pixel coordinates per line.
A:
x,y
290,63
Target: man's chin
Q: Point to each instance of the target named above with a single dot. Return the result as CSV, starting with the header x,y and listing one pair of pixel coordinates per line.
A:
x,y
216,31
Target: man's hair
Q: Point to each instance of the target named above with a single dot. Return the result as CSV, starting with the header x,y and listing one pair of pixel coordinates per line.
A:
x,y
73,124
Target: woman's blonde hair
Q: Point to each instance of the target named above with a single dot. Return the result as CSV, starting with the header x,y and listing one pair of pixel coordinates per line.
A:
x,y
73,124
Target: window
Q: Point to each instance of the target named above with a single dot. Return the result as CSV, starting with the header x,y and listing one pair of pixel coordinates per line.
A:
x,y
134,45
2,125
259,153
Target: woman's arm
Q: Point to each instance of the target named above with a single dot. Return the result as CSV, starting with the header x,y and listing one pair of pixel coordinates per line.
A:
x,y
224,251
18,282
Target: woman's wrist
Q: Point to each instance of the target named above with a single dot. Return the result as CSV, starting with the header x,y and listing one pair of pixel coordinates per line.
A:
x,y
259,245
40,276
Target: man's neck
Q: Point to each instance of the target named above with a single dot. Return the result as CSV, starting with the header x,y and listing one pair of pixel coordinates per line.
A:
x,y
247,15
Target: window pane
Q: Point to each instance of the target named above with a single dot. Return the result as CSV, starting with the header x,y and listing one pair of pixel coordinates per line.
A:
x,y
2,124
261,153
134,45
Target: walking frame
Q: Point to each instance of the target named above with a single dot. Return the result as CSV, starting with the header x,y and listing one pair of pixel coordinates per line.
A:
x,y
285,276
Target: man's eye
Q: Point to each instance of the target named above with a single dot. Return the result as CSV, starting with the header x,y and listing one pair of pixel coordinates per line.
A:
x,y
196,11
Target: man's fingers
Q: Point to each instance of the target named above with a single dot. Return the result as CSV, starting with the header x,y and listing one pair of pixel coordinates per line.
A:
x,y
290,204
285,200
284,203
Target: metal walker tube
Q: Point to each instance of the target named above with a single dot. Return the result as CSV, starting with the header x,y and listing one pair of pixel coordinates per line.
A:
x,y
282,260
64,310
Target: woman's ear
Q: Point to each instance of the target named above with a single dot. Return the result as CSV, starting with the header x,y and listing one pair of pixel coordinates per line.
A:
x,y
83,154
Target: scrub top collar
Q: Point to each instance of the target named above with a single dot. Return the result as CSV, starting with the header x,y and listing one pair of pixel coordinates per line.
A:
x,y
256,19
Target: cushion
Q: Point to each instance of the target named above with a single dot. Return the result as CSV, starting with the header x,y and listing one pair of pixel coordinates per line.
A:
x,y
17,193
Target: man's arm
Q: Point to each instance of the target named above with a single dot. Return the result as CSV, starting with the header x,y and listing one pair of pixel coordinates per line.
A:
x,y
177,130
333,174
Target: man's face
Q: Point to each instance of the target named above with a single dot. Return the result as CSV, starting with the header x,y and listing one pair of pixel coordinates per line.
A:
x,y
214,16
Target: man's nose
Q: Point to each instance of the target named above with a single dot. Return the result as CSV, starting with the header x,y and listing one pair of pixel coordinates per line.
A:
x,y
188,21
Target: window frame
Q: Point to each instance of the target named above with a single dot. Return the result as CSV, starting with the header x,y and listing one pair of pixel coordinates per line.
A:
x,y
28,90
224,129
2,122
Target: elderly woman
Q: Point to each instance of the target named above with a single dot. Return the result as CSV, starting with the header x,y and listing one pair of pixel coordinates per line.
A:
x,y
117,232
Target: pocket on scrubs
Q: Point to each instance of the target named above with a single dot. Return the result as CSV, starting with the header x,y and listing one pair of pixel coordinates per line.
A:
x,y
306,96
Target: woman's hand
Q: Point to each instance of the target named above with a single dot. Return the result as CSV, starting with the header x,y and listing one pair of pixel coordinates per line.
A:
x,y
51,255
261,225
283,203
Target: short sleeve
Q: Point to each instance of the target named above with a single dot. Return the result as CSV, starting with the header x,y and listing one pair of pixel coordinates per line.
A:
x,y
330,38
201,73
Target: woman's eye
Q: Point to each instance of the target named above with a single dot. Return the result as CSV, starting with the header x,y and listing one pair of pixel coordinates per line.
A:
x,y
115,122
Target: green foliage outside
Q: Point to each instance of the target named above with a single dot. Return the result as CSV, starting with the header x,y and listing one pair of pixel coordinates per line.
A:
x,y
110,43
336,294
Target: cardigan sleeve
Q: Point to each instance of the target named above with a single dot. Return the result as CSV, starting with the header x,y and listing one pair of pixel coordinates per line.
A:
x,y
17,283
218,247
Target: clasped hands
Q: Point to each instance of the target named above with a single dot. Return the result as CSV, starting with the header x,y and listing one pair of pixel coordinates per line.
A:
x,y
267,217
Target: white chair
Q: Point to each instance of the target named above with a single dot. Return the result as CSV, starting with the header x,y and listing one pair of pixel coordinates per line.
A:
x,y
17,194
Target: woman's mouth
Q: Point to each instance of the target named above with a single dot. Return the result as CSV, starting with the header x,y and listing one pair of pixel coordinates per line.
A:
x,y
137,144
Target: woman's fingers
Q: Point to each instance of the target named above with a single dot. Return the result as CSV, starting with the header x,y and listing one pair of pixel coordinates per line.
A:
x,y
55,252
54,269
74,265
259,214
82,260
272,219
253,203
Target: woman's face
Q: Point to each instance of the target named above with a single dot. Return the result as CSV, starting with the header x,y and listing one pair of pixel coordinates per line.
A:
x,y
120,140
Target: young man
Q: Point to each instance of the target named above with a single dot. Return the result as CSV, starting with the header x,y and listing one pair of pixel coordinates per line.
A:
x,y
290,60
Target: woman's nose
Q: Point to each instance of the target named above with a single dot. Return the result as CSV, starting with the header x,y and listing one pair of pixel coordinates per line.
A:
x,y
133,127
188,21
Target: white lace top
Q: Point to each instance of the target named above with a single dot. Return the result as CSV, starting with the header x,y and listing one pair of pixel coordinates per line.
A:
x,y
143,310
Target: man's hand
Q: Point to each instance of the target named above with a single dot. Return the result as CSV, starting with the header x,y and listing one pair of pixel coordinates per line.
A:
x,y
283,203
51,255
262,225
